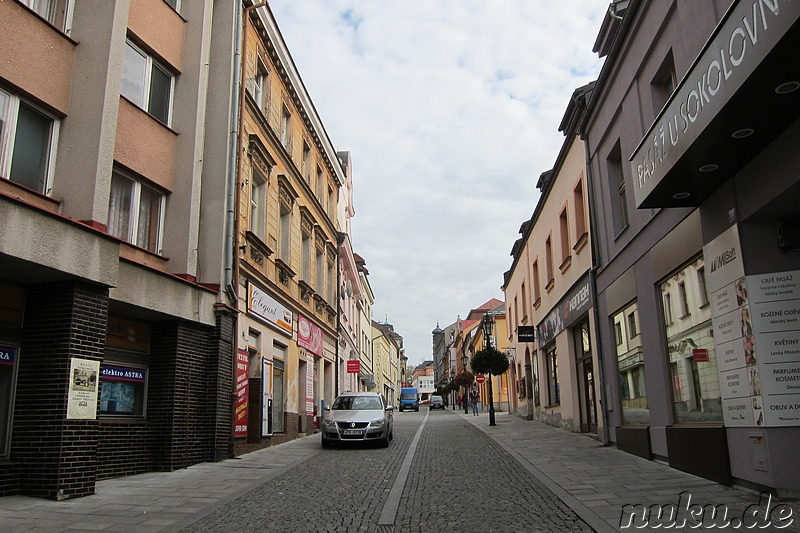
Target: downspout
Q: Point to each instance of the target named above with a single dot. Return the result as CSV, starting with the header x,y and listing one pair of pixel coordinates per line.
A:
x,y
235,160
338,309
593,272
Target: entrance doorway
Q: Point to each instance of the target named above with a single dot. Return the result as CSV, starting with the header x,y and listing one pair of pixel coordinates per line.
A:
x,y
585,376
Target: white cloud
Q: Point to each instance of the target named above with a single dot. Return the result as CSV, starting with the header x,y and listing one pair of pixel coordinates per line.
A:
x,y
450,109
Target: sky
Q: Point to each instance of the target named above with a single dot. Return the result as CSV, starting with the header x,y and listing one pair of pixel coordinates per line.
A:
x,y
450,110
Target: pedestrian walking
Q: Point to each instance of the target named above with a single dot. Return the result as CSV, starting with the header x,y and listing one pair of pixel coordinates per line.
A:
x,y
458,401
473,396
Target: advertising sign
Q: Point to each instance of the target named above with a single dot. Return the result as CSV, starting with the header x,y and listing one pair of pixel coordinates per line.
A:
x,y
242,390
265,307
353,366
309,384
526,333
309,336
84,380
571,308
7,355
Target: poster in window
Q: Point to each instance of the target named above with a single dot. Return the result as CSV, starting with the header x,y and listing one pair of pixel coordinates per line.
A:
x,y
121,385
83,383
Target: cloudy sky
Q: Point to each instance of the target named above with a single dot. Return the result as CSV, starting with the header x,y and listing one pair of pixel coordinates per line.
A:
x,y
450,109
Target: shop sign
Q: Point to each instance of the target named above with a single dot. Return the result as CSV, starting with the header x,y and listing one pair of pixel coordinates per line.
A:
x,y
749,31
265,307
571,308
309,384
309,335
353,366
242,391
526,333
118,373
700,355
7,355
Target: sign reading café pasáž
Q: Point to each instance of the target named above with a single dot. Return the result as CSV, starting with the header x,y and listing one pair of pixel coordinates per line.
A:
x,y
748,33
264,306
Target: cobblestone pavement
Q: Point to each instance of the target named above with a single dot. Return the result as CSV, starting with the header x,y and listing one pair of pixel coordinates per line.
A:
x,y
459,480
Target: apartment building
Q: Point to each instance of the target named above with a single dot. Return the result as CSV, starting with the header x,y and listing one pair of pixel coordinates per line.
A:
x,y
691,135
116,341
288,239
549,302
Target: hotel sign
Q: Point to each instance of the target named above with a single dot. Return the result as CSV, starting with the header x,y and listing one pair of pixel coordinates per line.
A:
x,y
746,35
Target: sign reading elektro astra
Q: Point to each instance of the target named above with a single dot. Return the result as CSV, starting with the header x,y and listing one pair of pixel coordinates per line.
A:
x,y
746,35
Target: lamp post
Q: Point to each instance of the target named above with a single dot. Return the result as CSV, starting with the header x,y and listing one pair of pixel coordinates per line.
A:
x,y
452,392
465,401
488,323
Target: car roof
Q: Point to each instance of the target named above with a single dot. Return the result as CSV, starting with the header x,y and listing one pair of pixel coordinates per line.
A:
x,y
360,394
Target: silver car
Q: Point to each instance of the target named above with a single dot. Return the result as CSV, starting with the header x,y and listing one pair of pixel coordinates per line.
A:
x,y
358,417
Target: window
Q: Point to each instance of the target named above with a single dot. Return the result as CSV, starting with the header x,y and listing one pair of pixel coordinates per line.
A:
x,y
320,183
306,251
524,302
664,83
536,288
27,142
175,4
548,246
564,227
331,203
259,87
331,278
701,286
258,205
619,199
696,391
630,368
632,324
135,212
682,300
8,356
56,12
285,233
667,308
146,83
553,387
124,371
320,263
286,128
306,162
580,215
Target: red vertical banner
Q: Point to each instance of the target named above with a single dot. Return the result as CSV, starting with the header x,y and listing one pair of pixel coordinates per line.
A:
x,y
242,387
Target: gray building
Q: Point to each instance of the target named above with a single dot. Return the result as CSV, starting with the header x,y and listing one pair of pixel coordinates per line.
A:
x,y
692,133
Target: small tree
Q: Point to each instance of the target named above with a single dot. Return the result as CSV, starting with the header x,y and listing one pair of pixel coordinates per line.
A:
x,y
489,361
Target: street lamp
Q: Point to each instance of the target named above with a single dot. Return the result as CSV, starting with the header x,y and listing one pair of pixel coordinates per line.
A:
x,y
488,323
465,401
452,392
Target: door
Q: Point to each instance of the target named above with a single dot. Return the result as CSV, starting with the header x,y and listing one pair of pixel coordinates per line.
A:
x,y
585,377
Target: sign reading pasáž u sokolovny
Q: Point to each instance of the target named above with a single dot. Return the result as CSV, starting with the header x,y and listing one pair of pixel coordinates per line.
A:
x,y
746,36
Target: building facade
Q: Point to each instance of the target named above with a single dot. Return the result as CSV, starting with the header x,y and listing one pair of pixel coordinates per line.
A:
x,y
116,340
549,292
691,136
287,244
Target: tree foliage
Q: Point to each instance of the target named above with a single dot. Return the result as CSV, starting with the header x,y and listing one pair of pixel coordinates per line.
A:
x,y
489,361
464,378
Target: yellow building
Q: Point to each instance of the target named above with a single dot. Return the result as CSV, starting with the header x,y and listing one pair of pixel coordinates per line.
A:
x,y
387,347
289,177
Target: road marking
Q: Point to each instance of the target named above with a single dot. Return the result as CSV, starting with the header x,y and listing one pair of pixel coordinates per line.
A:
x,y
389,512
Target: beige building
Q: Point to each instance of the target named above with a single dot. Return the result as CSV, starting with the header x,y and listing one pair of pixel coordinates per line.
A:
x,y
287,243
548,288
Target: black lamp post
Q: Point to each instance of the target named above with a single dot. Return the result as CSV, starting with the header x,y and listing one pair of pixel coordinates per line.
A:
x,y
488,326
465,401
453,393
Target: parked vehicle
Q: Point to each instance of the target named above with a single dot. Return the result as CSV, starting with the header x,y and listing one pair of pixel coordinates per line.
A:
x,y
358,416
436,403
409,399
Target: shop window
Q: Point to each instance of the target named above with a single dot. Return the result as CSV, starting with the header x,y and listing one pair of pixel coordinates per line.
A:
x,y
553,386
630,367
692,361
124,371
8,359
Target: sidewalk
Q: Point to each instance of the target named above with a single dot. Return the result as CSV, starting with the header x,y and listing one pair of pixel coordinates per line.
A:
x,y
597,481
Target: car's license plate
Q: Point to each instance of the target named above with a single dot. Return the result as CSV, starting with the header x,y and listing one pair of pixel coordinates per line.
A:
x,y
352,432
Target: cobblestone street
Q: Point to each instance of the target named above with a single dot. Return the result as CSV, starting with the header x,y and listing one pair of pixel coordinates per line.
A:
x,y
460,480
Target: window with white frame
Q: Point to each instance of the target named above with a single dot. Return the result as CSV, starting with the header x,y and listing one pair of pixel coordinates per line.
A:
x,y
27,143
135,212
258,205
56,12
146,83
